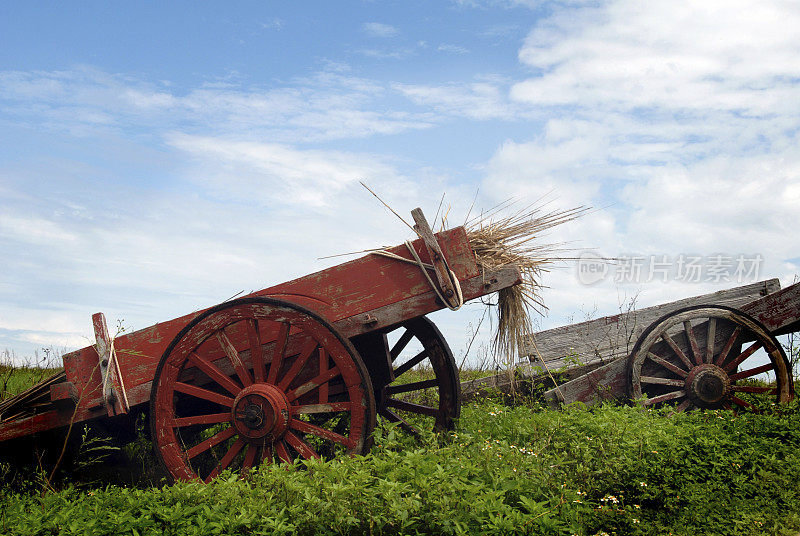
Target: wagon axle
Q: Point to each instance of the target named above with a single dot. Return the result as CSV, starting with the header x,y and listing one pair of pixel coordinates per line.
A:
x,y
707,384
259,411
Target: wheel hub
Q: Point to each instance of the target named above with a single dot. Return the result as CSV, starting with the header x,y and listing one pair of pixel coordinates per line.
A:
x,y
260,411
708,384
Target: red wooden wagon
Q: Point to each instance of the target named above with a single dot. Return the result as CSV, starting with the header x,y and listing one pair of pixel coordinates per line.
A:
x,y
298,370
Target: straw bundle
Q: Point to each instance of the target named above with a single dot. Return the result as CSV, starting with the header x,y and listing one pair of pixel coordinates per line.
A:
x,y
500,241
512,240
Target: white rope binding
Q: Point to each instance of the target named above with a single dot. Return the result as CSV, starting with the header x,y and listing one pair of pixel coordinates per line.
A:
x,y
112,361
425,267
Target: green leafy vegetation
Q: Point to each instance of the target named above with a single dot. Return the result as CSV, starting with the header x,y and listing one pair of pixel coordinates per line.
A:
x,y
509,470
511,467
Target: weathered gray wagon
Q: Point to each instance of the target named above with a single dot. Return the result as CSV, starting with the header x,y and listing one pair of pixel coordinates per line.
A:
x,y
700,352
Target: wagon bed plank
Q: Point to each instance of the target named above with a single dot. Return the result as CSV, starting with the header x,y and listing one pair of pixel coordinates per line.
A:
x,y
778,311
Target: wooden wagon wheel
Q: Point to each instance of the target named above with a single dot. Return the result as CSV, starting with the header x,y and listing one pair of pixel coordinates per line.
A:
x,y
405,400
254,381
694,358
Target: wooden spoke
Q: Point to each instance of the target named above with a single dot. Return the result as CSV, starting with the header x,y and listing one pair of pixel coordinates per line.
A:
x,y
754,389
411,363
256,352
676,349
662,381
741,403
205,421
216,439
730,367
410,406
214,373
395,418
205,394
267,454
664,398
313,384
751,372
401,344
323,368
301,447
283,453
711,334
723,355
698,358
713,372
212,418
330,407
318,431
226,459
419,343
298,364
279,351
249,458
667,365
413,386
234,358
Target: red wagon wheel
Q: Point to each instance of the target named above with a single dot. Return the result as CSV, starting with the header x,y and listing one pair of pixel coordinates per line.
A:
x,y
693,358
254,381
412,401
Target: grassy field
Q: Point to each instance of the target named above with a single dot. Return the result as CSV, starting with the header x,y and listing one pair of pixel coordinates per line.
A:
x,y
16,377
508,469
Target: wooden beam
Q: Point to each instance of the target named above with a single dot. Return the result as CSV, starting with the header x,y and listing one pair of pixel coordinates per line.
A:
x,y
611,337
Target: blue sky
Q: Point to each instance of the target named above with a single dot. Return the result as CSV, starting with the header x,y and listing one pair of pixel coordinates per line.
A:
x,y
156,158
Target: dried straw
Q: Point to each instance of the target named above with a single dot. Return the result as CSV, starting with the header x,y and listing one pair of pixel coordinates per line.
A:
x,y
500,241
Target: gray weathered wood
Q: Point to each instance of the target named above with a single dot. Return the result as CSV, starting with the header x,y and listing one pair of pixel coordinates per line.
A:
x,y
591,357
611,337
779,310
607,382
523,374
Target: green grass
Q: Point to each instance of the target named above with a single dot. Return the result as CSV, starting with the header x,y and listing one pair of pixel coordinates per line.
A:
x,y
16,379
519,469
18,373
507,470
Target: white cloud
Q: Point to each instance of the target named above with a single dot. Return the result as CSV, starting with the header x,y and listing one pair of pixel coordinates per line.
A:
x,y
273,24
680,55
679,120
327,106
476,100
453,49
382,54
279,173
379,29
33,230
